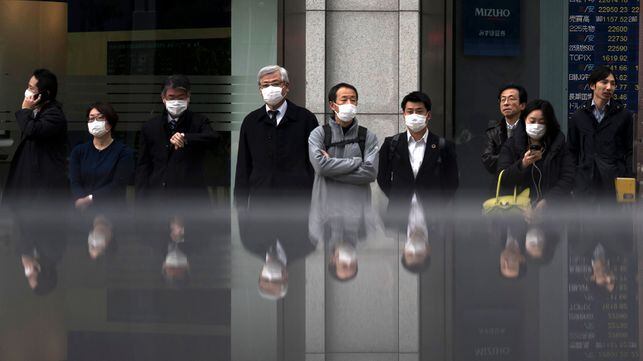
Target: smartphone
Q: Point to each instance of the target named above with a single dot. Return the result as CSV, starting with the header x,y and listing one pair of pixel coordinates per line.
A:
x,y
535,147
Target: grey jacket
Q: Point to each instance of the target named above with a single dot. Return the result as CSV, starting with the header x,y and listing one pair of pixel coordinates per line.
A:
x,y
341,196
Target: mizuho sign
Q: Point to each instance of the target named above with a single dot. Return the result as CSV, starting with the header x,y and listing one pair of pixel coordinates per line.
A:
x,y
493,13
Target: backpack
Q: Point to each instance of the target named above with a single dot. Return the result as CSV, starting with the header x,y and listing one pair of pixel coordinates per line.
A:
x,y
361,139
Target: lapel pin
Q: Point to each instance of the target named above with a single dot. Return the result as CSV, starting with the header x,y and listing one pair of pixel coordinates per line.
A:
x,y
433,146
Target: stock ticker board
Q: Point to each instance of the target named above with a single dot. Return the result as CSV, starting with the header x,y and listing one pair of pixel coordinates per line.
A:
x,y
603,32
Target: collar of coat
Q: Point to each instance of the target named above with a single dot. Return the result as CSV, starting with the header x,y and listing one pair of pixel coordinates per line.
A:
x,y
614,106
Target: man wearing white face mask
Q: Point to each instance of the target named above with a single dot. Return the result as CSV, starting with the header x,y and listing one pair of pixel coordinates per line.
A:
x,y
272,158
344,156
342,150
173,145
417,160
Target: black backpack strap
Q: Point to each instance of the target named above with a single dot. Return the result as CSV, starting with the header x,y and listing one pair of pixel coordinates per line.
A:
x,y
392,146
328,136
361,139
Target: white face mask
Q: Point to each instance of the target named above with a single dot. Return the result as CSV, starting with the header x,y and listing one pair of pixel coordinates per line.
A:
x,y
346,112
346,254
415,122
535,131
29,93
272,271
415,246
272,95
97,128
176,258
29,270
96,239
176,107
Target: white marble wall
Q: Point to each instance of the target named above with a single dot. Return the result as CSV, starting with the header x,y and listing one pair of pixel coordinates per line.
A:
x,y
374,45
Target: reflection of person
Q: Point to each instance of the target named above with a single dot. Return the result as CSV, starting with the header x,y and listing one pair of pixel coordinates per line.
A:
x,y
277,233
38,167
176,266
100,170
342,262
272,154
601,138
417,249
174,144
536,157
40,248
417,160
602,274
512,99
273,277
512,261
100,237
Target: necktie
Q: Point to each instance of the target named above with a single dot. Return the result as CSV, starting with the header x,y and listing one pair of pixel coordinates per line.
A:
x,y
172,125
273,116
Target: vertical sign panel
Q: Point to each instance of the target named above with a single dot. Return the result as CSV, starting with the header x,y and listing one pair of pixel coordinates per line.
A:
x,y
603,32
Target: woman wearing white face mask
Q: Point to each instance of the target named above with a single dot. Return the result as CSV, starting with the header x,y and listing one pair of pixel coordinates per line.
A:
x,y
537,157
101,168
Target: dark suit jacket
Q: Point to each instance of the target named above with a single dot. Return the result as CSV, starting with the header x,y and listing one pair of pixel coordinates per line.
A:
x,y
274,159
396,178
496,137
162,167
39,166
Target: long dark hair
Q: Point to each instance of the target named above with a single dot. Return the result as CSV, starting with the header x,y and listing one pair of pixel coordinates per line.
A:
x,y
551,122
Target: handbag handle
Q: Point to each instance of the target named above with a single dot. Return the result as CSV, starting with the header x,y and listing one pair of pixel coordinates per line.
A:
x,y
498,189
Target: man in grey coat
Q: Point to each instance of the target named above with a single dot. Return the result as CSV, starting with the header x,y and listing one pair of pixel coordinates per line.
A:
x,y
344,156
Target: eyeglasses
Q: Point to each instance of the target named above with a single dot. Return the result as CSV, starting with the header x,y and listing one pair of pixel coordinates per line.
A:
x,y
277,84
100,118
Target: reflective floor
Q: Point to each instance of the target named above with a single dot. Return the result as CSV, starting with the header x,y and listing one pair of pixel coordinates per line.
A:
x,y
340,281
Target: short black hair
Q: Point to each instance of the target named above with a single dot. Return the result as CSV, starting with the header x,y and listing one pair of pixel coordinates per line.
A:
x,y
47,84
332,269
416,97
416,268
522,92
332,93
551,122
177,81
107,111
599,73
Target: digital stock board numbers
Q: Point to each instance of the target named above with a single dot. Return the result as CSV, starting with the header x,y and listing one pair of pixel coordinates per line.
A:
x,y
603,32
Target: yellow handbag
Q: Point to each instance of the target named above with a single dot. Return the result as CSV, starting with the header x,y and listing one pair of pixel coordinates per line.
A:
x,y
505,204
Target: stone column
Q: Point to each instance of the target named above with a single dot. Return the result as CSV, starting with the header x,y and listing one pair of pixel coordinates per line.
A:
x,y
375,46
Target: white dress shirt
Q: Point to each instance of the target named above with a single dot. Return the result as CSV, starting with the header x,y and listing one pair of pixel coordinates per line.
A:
x,y
510,127
281,110
416,151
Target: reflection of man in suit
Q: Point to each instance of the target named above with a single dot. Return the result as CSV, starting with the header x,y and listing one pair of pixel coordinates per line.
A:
x,y
417,160
275,231
173,145
40,248
416,253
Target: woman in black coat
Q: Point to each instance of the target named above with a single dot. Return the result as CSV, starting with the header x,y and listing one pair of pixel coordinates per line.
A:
x,y
38,167
536,157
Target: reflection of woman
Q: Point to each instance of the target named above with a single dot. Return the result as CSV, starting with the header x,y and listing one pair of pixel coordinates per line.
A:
x,y
536,156
100,169
39,163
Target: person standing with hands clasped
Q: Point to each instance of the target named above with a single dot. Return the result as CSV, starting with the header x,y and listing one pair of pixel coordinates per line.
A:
x,y
101,168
